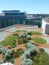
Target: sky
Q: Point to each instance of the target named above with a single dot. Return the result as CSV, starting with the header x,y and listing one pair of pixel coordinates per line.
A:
x,y
28,6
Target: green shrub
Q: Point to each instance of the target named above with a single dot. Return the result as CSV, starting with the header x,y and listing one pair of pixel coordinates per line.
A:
x,y
25,40
8,54
34,32
27,53
11,60
27,62
41,50
37,60
40,40
43,59
20,41
28,45
20,51
22,35
23,56
32,48
31,51
29,33
2,50
17,54
15,34
14,54
29,37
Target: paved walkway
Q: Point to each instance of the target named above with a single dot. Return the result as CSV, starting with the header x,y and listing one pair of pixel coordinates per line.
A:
x,y
3,35
46,38
44,46
12,29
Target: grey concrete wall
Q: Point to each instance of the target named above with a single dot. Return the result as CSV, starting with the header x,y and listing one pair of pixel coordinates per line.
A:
x,y
47,29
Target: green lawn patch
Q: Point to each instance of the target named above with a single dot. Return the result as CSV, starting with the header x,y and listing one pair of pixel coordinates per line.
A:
x,y
34,32
40,40
10,40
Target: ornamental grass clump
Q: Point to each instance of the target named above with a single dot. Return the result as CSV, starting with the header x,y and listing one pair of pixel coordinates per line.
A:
x,y
20,51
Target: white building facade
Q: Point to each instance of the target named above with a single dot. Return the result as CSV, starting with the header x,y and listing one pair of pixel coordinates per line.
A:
x,y
45,26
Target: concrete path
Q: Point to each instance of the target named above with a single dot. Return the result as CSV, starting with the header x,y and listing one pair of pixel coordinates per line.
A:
x,y
46,50
3,35
46,38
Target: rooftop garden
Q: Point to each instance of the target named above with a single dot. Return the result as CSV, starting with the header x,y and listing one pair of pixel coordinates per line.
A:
x,y
34,33
20,46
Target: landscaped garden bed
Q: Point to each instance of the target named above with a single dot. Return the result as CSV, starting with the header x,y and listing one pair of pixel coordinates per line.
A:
x,y
20,47
10,40
41,58
40,40
34,33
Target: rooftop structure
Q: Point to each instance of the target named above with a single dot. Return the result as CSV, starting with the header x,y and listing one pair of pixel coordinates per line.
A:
x,y
12,17
45,25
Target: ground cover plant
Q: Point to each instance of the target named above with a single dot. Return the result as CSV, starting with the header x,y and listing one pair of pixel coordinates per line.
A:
x,y
26,57
34,33
40,40
10,40
30,56
41,58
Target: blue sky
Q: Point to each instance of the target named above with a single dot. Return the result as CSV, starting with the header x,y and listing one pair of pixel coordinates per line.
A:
x,y
29,6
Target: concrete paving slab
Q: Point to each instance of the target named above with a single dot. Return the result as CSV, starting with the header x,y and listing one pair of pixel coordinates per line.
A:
x,y
46,50
46,38
3,35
